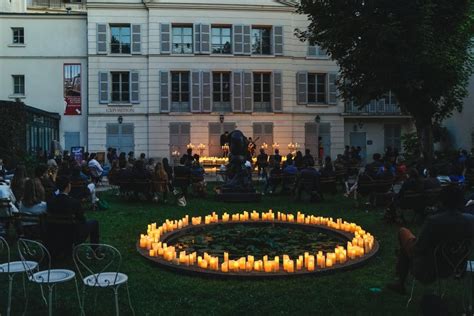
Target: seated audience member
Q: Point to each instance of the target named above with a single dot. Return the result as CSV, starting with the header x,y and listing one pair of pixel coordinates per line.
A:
x,y
169,172
52,162
414,183
150,165
47,178
262,164
289,174
142,157
60,237
182,176
372,168
197,177
18,182
95,168
140,178
308,159
387,172
307,180
160,182
33,201
114,173
416,254
81,188
298,161
131,158
400,167
274,179
328,170
431,181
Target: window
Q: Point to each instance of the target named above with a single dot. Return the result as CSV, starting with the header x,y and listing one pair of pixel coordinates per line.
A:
x,y
120,87
182,40
180,92
180,137
18,84
18,35
316,51
316,88
120,41
392,136
221,92
221,40
264,133
262,92
261,43
215,132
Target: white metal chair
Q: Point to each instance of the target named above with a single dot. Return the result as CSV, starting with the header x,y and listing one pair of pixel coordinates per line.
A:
x,y
12,268
99,265
30,250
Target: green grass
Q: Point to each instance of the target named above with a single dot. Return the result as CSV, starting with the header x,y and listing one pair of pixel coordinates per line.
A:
x,y
155,291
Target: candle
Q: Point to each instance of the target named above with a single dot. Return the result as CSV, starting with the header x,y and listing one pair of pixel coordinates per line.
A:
x,y
226,256
225,267
311,264
328,262
151,253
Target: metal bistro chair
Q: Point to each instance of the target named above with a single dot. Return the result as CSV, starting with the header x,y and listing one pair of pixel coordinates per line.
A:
x,y
94,262
12,268
451,259
30,249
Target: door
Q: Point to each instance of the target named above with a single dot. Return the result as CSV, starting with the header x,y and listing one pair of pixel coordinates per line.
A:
x,y
121,137
215,132
180,137
325,134
359,139
71,139
311,138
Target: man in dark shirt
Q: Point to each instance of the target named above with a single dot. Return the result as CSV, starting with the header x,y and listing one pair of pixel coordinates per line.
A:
x,y
417,254
61,236
308,180
182,176
308,159
275,159
262,164
373,168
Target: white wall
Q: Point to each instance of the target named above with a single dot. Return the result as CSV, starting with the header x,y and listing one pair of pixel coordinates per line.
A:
x,y
17,6
50,42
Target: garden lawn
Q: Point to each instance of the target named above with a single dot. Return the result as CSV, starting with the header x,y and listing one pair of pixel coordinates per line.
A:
x,y
156,291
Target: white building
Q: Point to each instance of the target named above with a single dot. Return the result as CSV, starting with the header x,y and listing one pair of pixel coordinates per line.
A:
x,y
40,47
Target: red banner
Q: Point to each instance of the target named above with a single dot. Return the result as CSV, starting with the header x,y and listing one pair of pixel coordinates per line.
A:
x,y
72,89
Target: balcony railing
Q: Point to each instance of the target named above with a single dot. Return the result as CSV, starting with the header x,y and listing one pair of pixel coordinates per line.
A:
x,y
378,107
57,4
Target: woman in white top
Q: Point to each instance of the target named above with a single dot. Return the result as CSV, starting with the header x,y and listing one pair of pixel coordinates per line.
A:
x,y
33,199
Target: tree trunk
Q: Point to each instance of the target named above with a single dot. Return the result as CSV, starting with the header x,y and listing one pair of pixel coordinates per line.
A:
x,y
424,130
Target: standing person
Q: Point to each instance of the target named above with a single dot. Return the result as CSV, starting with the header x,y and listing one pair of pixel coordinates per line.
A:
x,y
18,182
142,157
160,182
320,149
308,159
182,176
224,139
262,164
275,159
299,162
252,147
131,158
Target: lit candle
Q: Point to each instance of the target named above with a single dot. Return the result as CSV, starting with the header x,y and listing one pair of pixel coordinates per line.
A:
x,y
225,267
329,262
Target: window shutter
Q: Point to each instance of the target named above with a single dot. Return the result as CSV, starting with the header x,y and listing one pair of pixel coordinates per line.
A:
x,y
277,92
101,38
206,91
165,37
197,38
238,41
278,40
237,91
134,87
332,88
205,39
164,92
103,87
248,96
196,91
302,87
136,39
247,40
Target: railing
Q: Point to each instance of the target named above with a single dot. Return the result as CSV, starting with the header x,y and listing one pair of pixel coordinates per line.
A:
x,y
57,4
373,108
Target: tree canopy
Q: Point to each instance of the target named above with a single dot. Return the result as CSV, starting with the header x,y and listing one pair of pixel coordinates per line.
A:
x,y
420,50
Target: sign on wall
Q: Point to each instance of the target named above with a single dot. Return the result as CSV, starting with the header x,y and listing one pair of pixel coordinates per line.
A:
x,y
72,89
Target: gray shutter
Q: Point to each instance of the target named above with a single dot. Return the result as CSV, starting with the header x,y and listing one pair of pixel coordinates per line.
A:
x,y
197,38
247,40
136,39
278,40
332,88
238,42
134,87
103,87
237,91
206,91
101,38
277,92
195,91
164,92
205,39
302,87
248,96
165,38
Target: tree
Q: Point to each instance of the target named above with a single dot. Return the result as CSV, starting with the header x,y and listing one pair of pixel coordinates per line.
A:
x,y
420,50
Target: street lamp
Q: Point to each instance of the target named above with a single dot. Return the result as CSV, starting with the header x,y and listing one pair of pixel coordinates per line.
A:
x,y
317,119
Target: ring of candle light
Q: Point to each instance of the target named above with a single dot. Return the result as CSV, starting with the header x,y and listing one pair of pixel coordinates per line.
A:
x,y
360,247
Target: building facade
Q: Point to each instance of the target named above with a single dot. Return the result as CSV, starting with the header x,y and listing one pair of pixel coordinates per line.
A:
x,y
43,58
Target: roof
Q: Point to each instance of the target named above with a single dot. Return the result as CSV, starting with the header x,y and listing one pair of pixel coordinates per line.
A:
x,y
31,109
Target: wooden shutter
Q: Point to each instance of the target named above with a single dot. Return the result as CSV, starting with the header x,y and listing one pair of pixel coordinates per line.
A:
x,y
238,42
206,91
195,91
237,90
165,38
101,38
302,87
205,47
277,92
278,40
164,92
248,95
103,87
247,40
134,87
332,88
136,39
197,38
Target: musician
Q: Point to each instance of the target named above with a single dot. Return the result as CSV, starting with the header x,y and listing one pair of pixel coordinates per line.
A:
x,y
252,146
